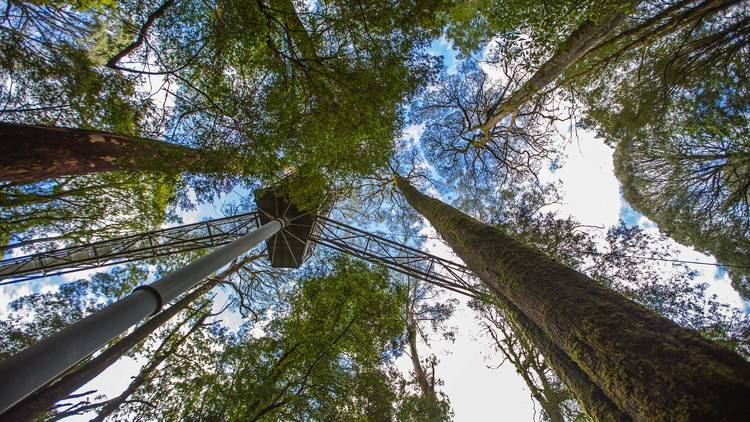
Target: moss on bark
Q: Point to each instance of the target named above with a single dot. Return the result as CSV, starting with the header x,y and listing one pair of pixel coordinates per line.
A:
x,y
592,399
647,365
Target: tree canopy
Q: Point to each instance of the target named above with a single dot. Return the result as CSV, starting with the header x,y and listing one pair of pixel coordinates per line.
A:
x,y
120,116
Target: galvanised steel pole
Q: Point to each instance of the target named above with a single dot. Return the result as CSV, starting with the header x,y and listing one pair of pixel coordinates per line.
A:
x,y
34,367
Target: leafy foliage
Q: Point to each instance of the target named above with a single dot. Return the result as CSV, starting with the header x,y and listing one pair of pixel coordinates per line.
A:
x,y
322,356
678,114
50,76
81,209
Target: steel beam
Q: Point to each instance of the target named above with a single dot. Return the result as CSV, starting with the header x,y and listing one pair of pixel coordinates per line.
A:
x,y
136,247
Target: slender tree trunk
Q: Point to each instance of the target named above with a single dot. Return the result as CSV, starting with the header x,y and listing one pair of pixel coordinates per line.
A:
x,y
653,28
591,37
648,366
298,33
31,154
110,406
424,384
44,399
427,387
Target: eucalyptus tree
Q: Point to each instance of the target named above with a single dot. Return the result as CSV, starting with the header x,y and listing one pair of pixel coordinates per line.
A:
x,y
515,151
681,136
262,84
425,310
642,71
618,345
630,261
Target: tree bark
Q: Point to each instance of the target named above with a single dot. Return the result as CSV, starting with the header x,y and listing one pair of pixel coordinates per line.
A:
x,y
590,396
31,154
648,366
427,388
44,399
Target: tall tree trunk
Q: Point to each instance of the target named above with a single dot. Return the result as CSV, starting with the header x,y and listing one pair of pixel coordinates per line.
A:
x,y
45,398
110,406
298,34
591,37
647,365
34,153
590,396
428,390
586,36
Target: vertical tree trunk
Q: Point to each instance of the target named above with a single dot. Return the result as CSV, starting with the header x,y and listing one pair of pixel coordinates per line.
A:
x,y
31,154
648,366
44,399
110,406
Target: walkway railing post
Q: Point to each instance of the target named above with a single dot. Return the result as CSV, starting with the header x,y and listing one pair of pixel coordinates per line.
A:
x,y
34,367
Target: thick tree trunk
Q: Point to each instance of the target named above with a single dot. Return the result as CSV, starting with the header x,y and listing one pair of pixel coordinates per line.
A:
x,y
44,399
110,406
31,154
592,399
648,366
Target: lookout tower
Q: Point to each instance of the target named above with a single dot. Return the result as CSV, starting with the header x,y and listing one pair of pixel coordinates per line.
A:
x,y
291,247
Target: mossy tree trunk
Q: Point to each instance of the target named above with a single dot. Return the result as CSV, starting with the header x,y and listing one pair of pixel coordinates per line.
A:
x,y
648,366
590,396
31,154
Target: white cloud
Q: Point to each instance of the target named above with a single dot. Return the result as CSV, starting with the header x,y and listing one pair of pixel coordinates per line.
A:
x,y
590,190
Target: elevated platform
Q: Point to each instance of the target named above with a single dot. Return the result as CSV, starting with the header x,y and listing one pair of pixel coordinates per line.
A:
x,y
292,246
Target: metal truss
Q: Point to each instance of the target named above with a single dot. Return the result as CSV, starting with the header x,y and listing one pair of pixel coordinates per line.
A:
x,y
329,233
126,249
396,256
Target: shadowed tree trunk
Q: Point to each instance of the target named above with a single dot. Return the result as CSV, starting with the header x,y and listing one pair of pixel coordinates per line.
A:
x,y
31,154
647,365
590,396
